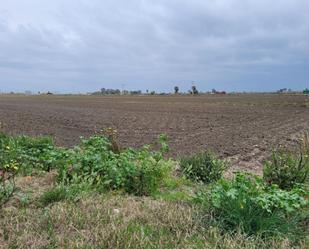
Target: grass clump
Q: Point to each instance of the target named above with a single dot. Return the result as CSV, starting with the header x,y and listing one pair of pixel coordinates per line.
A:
x,y
204,167
62,192
249,205
286,170
53,195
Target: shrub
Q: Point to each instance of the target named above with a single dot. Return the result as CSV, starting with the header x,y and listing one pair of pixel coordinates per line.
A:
x,y
203,167
138,172
144,175
37,153
29,153
95,161
247,204
286,170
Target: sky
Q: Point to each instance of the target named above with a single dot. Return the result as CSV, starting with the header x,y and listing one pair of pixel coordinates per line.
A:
x,y
83,46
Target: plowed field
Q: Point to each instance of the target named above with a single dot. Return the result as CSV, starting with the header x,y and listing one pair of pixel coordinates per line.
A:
x,y
242,128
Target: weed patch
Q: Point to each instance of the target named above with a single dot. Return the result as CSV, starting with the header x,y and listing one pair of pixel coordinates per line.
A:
x,y
138,172
204,167
286,170
248,205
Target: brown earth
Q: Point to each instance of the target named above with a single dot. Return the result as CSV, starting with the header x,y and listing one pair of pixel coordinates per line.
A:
x,y
242,128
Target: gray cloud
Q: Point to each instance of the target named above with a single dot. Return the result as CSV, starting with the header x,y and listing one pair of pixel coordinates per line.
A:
x,y
79,45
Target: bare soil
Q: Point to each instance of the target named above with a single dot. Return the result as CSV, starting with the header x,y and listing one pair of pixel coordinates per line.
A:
x,y
241,128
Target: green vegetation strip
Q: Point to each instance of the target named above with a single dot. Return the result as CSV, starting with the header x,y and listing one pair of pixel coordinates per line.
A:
x,y
136,198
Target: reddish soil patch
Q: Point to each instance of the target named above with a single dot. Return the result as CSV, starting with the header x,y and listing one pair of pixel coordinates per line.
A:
x,y
242,128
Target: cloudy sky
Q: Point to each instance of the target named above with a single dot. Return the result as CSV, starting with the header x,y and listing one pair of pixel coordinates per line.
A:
x,y
83,45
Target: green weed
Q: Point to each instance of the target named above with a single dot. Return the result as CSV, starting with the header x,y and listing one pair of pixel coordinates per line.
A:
x,y
203,167
286,170
248,205
138,172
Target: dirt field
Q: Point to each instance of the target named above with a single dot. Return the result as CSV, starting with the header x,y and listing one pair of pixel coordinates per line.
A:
x,y
242,128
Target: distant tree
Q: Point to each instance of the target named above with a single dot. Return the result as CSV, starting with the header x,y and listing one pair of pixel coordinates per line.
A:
x,y
147,91
152,92
194,90
176,89
136,92
110,91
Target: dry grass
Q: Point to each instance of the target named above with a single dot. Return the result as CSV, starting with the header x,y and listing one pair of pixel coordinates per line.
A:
x,y
111,221
304,143
114,221
31,188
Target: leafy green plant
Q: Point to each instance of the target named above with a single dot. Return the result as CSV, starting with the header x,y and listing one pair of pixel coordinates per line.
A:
x,y
203,167
286,170
23,199
8,170
96,161
247,204
143,177
138,172
38,153
30,154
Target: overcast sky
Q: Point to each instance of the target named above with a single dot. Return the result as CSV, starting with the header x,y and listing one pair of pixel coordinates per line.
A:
x,y
83,45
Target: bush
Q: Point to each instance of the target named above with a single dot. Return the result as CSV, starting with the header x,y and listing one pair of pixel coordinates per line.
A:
x,y
203,167
37,153
28,153
286,170
247,204
138,172
94,161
